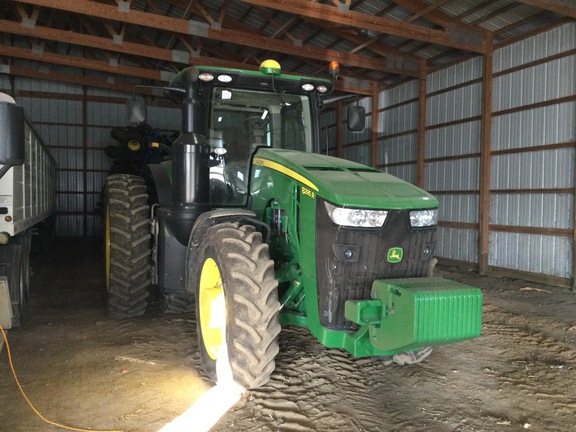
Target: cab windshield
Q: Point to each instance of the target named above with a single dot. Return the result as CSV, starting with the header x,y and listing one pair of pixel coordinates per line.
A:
x,y
241,120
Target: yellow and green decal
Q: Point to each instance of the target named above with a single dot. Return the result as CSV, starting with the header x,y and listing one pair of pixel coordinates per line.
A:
x,y
286,171
395,255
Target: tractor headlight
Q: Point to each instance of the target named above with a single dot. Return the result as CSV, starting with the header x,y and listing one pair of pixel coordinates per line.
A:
x,y
423,218
207,77
354,217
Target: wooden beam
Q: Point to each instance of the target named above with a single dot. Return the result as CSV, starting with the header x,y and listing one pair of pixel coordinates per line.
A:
x,y
455,37
81,62
395,58
574,230
411,62
281,28
425,10
339,129
85,144
485,162
443,20
345,84
223,10
421,145
200,29
16,70
374,141
564,7
104,43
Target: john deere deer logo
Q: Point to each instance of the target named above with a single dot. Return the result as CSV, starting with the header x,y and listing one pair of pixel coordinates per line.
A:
x,y
395,255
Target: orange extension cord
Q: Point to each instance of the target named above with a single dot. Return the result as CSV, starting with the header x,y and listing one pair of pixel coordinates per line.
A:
x,y
30,403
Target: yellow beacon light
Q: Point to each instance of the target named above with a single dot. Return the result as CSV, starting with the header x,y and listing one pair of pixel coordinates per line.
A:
x,y
334,69
270,67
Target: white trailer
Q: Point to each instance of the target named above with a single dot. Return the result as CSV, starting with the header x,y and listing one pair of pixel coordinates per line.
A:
x,y
27,201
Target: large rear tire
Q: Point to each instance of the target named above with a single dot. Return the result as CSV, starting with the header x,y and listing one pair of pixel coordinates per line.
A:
x,y
178,303
127,245
236,305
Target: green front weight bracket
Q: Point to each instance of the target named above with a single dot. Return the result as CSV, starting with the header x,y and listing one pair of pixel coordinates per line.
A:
x,y
417,312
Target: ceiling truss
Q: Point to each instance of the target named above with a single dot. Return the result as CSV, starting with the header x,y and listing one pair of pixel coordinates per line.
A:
x,y
117,43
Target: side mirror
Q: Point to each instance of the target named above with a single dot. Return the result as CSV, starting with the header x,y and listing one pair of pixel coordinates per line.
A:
x,y
136,110
356,118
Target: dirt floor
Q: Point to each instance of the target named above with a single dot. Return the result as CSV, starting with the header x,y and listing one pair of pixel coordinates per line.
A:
x,y
83,369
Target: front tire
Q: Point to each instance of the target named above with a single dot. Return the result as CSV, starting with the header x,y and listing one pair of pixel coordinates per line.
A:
x,y
127,245
236,304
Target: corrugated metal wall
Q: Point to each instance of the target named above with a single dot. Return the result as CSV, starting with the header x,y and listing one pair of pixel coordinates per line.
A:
x,y
533,153
397,143
76,126
453,140
328,131
452,143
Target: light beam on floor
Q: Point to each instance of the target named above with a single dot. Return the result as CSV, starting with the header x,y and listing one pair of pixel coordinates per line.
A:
x,y
213,404
207,410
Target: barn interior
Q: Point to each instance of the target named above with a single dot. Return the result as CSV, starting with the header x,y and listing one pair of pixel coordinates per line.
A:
x,y
473,101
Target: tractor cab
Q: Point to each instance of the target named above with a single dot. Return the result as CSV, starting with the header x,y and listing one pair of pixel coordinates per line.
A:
x,y
239,111
242,120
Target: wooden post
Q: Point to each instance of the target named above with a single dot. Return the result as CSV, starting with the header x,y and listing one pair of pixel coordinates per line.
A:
x,y
574,233
85,194
339,129
421,144
374,142
485,160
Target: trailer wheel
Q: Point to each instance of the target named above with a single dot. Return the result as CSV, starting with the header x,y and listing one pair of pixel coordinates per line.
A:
x,y
127,245
11,266
25,242
236,305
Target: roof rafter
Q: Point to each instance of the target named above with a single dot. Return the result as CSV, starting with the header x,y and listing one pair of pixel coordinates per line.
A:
x,y
74,79
346,84
377,43
566,7
82,62
318,65
455,37
426,10
412,62
190,27
108,44
422,9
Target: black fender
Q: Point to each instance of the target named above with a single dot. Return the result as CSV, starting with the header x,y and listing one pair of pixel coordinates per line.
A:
x,y
159,185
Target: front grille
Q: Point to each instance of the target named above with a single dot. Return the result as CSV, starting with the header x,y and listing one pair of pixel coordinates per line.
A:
x,y
340,279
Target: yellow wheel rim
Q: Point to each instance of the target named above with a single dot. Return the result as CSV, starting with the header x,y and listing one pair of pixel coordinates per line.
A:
x,y
212,308
107,247
133,145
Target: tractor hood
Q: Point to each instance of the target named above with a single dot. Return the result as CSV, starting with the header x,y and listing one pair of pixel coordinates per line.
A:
x,y
344,182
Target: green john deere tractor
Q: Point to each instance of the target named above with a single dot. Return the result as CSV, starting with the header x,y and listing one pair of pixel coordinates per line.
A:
x,y
248,225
